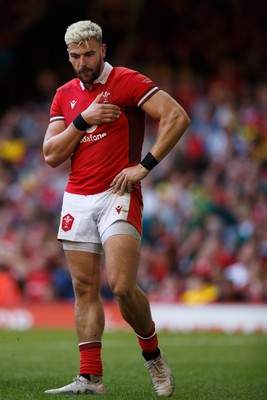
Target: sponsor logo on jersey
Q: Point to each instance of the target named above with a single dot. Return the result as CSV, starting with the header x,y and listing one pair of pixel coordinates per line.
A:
x,y
93,138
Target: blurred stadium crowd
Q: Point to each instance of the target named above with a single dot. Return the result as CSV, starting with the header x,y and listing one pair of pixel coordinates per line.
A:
x,y
205,213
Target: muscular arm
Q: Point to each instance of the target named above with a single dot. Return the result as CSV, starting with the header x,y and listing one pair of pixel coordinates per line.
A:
x,y
173,122
60,141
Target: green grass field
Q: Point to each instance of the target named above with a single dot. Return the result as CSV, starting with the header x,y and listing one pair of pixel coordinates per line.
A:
x,y
206,366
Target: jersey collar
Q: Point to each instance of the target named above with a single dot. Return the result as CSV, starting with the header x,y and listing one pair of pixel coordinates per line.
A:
x,y
103,77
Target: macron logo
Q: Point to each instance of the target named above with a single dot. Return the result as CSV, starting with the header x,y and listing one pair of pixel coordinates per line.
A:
x,y
72,103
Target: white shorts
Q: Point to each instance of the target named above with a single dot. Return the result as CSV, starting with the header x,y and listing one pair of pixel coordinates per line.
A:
x,y
88,219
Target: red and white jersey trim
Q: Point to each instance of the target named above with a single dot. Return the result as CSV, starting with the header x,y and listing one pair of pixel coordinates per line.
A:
x,y
57,118
147,96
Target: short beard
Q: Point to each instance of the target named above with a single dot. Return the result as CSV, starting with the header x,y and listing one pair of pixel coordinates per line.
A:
x,y
94,73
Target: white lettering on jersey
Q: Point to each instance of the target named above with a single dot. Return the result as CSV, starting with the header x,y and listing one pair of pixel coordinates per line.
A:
x,y
93,138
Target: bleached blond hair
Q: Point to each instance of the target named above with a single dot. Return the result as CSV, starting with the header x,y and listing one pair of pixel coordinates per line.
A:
x,y
82,31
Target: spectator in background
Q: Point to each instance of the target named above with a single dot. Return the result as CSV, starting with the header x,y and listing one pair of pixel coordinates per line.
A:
x,y
219,168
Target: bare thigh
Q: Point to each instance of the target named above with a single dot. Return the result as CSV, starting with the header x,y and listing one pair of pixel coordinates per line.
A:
x,y
122,260
122,255
85,269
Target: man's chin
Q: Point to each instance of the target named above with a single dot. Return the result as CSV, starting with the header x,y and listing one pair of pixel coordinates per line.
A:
x,y
85,78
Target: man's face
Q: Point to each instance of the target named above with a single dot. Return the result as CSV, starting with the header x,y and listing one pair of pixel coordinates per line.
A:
x,y
87,60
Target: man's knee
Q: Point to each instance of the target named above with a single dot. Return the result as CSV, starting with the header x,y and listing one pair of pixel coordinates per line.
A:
x,y
123,291
85,287
80,287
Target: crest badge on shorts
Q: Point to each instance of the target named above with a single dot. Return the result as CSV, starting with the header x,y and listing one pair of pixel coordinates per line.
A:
x,y
67,222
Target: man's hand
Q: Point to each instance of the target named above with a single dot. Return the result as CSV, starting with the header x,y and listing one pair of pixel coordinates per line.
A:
x,y
123,182
97,114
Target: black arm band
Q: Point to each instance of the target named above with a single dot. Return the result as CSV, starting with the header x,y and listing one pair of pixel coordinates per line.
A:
x,y
80,123
149,162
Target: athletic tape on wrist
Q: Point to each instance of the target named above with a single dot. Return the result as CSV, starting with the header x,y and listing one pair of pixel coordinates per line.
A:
x,y
80,123
149,161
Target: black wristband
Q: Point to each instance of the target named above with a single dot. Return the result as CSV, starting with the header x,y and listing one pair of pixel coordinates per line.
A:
x,y
80,123
149,161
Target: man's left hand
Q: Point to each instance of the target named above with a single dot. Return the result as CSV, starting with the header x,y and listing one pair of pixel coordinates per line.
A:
x,y
123,182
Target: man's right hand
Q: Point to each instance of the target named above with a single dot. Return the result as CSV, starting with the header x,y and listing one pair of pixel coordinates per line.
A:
x,y
101,113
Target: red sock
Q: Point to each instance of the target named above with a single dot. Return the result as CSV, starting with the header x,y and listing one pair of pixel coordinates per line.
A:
x,y
149,342
90,359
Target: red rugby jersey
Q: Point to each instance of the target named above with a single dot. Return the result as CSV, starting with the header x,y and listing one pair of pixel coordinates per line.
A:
x,y
106,149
